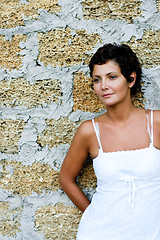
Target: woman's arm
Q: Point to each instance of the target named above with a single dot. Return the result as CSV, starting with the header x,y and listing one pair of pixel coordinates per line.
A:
x,y
73,163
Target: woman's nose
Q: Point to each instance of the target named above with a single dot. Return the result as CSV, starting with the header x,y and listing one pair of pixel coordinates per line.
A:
x,y
104,84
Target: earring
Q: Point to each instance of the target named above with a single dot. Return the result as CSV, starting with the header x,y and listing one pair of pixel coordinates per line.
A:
x,y
132,79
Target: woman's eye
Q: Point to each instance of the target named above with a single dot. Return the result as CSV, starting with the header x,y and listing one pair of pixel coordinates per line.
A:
x,y
113,77
95,80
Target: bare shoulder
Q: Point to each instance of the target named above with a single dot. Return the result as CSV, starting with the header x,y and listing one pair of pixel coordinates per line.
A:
x,y
84,135
156,117
81,143
85,129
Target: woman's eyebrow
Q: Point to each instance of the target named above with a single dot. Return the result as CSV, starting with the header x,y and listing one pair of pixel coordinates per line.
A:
x,y
111,73
96,76
106,74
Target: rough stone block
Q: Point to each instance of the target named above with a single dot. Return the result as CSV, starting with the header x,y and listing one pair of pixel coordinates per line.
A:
x,y
10,52
147,48
12,12
9,220
10,133
23,180
101,10
63,47
19,92
158,5
58,132
59,222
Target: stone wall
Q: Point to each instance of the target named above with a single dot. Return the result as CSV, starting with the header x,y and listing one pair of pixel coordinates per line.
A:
x,y
45,93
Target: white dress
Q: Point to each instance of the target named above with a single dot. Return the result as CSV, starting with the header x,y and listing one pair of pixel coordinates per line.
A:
x,y
126,204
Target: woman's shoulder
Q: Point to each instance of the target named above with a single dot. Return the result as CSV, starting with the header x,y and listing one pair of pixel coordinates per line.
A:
x,y
156,120
156,116
156,127
86,128
156,112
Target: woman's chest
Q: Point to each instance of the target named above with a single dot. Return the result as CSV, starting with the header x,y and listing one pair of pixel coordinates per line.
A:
x,y
141,163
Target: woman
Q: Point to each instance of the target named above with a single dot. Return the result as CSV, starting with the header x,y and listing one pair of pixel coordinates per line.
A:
x,y
124,144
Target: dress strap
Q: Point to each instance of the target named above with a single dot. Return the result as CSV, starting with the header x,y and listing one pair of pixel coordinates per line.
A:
x,y
150,131
96,129
151,127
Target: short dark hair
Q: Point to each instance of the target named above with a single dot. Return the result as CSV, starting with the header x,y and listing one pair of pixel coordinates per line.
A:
x,y
124,57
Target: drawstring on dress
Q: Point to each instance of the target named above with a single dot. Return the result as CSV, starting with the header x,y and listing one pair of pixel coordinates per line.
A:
x,y
132,189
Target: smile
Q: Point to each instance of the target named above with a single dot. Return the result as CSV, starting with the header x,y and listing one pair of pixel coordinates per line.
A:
x,y
107,95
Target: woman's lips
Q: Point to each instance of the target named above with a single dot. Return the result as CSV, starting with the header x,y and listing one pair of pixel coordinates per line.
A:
x,y
107,95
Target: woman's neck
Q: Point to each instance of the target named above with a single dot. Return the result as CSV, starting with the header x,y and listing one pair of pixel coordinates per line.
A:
x,y
120,114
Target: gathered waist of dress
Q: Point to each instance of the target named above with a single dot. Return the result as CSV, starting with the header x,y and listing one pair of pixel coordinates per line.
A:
x,y
129,186
121,183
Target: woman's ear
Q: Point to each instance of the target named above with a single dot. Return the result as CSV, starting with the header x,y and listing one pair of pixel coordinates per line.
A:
x,y
132,79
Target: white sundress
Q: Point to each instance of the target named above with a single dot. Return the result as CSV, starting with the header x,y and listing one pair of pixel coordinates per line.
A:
x,y
126,204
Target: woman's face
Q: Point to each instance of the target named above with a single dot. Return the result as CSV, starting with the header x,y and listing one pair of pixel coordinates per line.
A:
x,y
109,84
